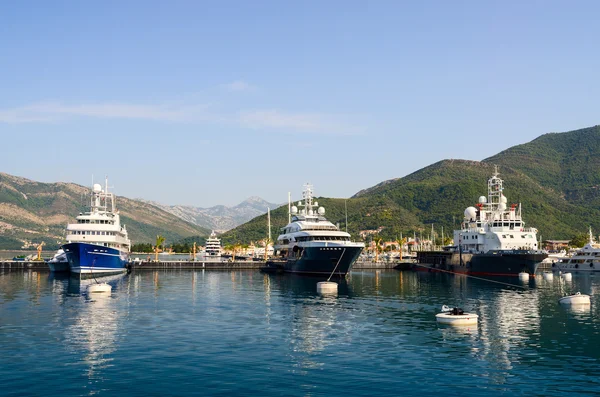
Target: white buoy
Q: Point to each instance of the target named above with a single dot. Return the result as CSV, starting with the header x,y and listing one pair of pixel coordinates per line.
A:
x,y
456,317
566,276
99,288
523,276
548,276
327,287
575,299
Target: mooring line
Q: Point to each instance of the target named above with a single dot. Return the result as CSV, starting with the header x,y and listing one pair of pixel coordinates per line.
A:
x,y
468,275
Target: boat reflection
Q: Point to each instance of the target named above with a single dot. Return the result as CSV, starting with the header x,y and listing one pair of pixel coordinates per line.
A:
x,y
93,332
80,286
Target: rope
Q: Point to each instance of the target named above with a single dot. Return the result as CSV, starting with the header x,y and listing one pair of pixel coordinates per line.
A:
x,y
336,265
474,277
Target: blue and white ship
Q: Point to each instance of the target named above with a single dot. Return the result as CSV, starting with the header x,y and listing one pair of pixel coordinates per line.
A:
x,y
97,243
310,244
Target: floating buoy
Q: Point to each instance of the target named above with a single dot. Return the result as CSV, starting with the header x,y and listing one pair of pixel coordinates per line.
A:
x,y
548,276
566,276
523,276
575,299
327,287
99,288
456,316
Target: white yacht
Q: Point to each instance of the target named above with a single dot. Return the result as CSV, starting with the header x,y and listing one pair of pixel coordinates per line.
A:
x,y
97,242
494,238
310,244
213,246
586,259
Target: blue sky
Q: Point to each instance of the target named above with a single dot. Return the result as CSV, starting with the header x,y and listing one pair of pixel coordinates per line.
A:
x,y
205,103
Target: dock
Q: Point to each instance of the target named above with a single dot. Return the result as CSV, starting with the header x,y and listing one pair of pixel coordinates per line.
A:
x,y
207,265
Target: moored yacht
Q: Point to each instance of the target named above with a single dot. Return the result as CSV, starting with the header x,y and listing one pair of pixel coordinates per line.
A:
x,y
98,243
310,244
493,239
586,259
213,245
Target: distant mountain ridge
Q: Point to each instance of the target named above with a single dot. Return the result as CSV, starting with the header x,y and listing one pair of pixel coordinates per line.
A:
x,y
220,217
32,212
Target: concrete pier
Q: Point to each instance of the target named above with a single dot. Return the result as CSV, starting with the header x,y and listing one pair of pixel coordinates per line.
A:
x,y
186,264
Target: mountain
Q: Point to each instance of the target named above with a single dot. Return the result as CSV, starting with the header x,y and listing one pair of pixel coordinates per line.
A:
x,y
219,218
31,212
555,177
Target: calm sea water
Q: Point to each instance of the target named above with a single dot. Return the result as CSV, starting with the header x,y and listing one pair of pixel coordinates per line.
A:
x,y
246,333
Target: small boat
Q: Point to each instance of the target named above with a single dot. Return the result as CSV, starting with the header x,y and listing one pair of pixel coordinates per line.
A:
x,y
456,316
575,299
59,262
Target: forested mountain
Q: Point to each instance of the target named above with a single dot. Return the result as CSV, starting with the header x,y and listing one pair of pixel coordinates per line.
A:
x,y
555,177
31,212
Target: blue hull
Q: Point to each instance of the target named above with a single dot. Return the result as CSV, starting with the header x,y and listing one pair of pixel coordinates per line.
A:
x,y
85,258
334,260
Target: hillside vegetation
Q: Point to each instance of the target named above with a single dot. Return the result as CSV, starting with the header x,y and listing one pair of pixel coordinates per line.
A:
x,y
555,177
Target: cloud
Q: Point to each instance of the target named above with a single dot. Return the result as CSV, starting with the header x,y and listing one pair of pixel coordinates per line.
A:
x,y
296,122
57,111
184,112
238,85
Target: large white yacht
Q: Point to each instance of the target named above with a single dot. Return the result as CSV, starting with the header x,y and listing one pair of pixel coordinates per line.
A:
x,y
310,244
213,245
494,238
586,259
97,242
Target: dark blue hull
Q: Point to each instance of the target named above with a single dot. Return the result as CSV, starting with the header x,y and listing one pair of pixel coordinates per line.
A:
x,y
332,260
85,258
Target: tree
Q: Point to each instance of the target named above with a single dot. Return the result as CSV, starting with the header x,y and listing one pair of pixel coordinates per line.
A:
x,y
579,240
377,241
160,240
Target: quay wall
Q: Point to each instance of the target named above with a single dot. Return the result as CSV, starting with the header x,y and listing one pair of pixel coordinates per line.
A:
x,y
208,265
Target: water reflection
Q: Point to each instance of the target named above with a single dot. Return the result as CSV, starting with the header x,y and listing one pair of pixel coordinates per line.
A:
x,y
93,331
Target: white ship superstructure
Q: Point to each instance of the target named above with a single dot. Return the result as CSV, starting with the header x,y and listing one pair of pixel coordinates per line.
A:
x,y
213,245
492,225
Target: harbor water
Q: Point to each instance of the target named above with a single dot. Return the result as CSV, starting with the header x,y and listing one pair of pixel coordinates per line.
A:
x,y
178,333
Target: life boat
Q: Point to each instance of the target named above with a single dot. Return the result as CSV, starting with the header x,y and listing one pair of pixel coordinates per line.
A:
x,y
456,316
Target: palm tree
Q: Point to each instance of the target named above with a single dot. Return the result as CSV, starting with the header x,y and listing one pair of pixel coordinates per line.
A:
x,y
401,243
158,248
266,241
378,241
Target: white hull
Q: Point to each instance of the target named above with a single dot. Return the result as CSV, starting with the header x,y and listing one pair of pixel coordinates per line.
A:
x,y
457,319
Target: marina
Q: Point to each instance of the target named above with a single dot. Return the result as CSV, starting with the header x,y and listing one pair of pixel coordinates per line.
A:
x,y
166,332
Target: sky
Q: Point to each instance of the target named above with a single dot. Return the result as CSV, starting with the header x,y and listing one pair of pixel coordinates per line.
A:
x,y
209,102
